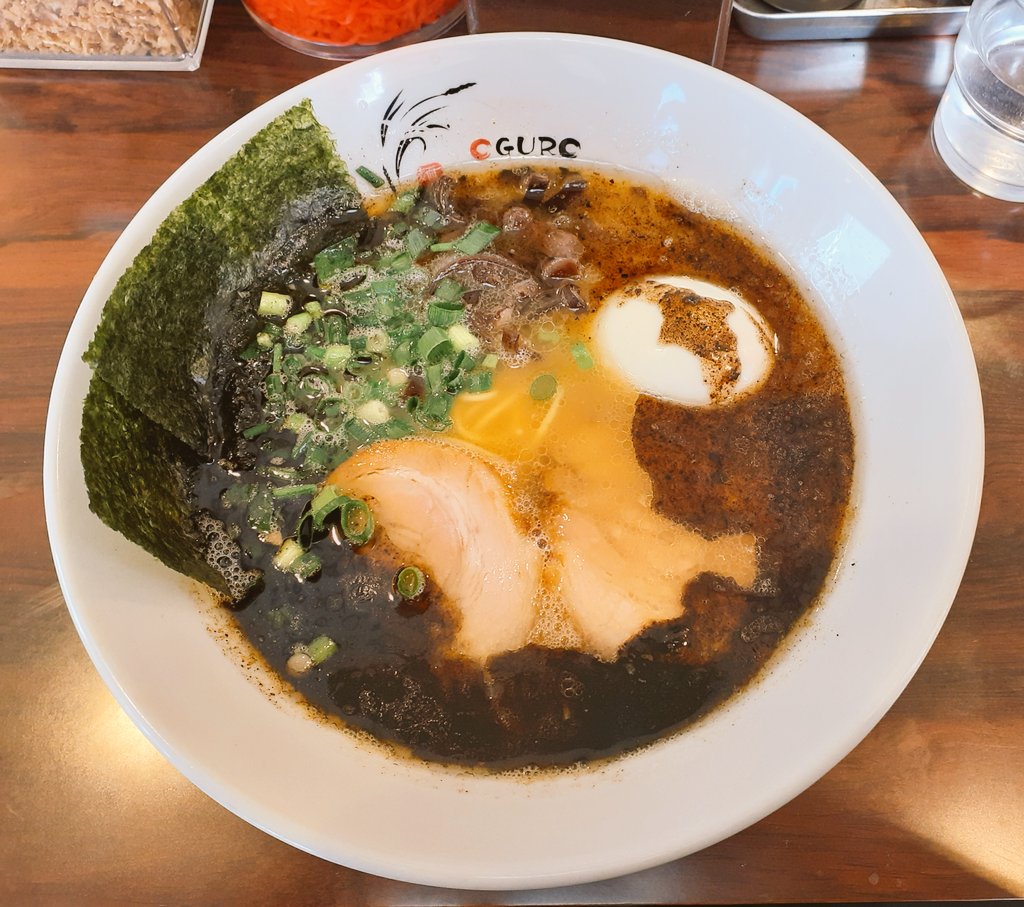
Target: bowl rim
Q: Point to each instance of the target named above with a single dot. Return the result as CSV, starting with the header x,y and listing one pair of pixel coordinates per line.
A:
x,y
194,171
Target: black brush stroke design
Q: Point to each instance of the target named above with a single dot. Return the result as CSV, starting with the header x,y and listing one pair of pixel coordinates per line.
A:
x,y
416,130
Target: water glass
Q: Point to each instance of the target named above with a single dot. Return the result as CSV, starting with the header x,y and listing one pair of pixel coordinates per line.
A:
x,y
979,125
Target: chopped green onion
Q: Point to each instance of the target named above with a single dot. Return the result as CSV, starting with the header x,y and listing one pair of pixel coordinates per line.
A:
x,y
334,329
543,387
314,309
386,286
298,323
433,374
478,382
549,336
356,521
367,174
261,509
433,344
477,238
296,421
336,355
239,493
429,217
293,491
442,246
377,342
395,429
305,565
448,290
289,552
254,431
373,412
397,377
402,354
582,355
275,387
462,338
321,648
324,503
263,339
416,243
404,203
331,262
444,314
400,262
273,305
410,582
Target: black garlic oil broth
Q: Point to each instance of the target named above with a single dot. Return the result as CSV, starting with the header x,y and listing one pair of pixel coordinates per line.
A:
x,y
774,464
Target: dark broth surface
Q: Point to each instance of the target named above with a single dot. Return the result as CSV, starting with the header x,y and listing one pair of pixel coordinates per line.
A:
x,y
776,463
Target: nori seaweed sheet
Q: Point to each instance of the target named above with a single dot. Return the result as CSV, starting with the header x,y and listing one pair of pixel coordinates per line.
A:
x,y
178,316
176,313
140,478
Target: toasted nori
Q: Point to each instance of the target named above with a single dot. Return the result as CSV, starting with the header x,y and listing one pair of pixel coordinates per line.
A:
x,y
164,350
140,480
177,313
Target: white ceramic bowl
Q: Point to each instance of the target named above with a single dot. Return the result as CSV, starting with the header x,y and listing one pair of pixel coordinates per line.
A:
x,y
917,414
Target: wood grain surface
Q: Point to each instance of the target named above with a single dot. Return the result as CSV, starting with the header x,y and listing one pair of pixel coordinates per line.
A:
x,y
930,805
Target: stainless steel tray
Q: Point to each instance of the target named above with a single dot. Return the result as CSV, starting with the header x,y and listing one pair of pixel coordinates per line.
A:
x,y
865,19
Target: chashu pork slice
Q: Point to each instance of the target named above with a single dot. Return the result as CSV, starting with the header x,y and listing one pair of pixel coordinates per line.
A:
x,y
449,511
625,567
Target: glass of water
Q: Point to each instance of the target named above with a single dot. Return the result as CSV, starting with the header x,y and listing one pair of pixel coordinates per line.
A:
x,y
979,126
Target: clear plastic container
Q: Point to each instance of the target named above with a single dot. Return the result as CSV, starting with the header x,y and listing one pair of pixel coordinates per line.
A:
x,y
103,34
349,29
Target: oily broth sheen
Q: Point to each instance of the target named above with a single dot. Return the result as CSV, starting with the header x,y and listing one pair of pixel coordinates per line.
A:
x,y
775,464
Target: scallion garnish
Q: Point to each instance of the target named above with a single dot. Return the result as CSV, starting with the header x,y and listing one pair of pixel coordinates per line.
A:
x,y
476,238
327,500
444,314
298,323
404,203
410,582
416,243
336,355
320,649
293,491
254,431
462,338
356,521
433,344
273,305
543,387
582,355
372,178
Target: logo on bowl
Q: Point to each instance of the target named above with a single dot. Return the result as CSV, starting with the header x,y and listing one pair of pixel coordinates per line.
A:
x,y
406,125
524,146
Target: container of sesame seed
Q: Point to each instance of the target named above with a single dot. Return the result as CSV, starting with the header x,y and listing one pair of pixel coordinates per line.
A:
x,y
103,34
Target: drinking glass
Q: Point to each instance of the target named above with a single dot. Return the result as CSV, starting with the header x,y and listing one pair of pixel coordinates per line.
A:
x,y
979,124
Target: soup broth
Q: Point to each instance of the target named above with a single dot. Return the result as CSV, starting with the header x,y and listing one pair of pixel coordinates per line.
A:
x,y
752,489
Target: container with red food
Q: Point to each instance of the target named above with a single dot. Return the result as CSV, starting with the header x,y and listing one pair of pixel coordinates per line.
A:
x,y
347,29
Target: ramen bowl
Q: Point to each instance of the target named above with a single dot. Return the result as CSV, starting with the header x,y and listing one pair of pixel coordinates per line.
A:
x,y
874,285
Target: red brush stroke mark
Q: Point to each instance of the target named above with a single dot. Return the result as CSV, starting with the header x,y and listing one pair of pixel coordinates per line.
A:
x,y
427,173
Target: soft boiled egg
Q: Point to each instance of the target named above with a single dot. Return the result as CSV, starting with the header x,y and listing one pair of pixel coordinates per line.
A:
x,y
685,340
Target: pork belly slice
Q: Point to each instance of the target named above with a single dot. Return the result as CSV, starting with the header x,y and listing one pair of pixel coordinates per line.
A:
x,y
624,567
450,512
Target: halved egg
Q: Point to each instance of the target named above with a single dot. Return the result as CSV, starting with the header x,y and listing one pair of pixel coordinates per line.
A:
x,y
685,340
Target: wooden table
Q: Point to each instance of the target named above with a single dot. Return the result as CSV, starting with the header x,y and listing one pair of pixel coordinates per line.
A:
x,y
931,805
